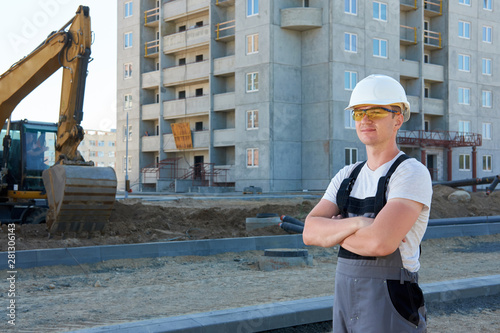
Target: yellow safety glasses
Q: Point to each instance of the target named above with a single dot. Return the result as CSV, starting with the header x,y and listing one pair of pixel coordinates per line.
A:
x,y
373,113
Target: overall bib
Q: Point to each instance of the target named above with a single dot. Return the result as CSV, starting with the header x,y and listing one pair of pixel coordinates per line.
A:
x,y
374,294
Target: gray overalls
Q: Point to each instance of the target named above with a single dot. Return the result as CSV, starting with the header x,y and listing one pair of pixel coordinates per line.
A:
x,y
374,294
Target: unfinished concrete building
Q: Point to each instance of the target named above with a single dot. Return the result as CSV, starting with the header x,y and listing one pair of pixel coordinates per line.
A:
x,y
239,93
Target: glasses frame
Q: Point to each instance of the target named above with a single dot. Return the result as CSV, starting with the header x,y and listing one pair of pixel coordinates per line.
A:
x,y
375,107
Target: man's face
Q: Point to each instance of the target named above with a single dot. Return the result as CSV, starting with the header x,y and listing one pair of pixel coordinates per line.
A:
x,y
377,124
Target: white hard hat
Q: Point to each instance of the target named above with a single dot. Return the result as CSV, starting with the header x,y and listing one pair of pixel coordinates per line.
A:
x,y
378,89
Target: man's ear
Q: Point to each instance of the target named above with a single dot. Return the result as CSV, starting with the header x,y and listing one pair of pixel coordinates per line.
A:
x,y
399,121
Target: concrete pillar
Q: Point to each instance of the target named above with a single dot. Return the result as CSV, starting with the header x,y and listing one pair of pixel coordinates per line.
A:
x,y
449,163
474,167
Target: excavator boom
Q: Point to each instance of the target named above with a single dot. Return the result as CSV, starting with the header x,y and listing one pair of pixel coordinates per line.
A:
x,y
80,196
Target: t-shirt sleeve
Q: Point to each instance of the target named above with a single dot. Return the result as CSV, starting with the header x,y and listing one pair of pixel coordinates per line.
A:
x,y
411,181
333,187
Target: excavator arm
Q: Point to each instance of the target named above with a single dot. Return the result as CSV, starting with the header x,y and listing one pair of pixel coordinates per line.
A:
x,y
80,196
66,49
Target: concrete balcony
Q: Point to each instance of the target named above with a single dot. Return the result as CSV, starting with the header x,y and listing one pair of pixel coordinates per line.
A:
x,y
150,80
190,107
186,39
224,66
434,106
150,143
414,103
201,141
433,72
186,74
408,68
225,101
175,9
224,137
301,18
151,111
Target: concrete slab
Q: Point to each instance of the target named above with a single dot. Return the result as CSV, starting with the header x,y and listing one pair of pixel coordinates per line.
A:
x,y
292,313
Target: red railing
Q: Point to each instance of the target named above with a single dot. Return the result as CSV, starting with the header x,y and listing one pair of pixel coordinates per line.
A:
x,y
439,138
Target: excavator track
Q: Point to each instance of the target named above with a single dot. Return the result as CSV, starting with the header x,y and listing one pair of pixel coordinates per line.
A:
x,y
80,198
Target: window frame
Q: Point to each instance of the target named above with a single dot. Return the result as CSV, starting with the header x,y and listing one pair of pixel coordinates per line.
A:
x,y
350,80
487,5
127,70
128,40
127,134
252,157
486,66
251,9
464,2
252,120
464,161
350,151
486,131
463,96
380,5
127,165
464,127
464,62
350,42
487,34
349,122
487,163
128,9
462,31
349,8
127,102
252,82
486,99
253,41
380,43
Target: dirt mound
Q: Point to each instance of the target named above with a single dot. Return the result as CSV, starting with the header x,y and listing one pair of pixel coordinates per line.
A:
x,y
137,221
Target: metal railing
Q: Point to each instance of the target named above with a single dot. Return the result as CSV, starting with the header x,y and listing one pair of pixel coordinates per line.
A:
x,y
435,6
152,47
439,138
432,38
152,15
222,27
408,34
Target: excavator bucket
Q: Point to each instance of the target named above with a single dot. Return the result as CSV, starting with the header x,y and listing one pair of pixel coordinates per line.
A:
x,y
80,197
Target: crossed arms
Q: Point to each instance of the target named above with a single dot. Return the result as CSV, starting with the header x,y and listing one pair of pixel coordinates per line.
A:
x,y
380,236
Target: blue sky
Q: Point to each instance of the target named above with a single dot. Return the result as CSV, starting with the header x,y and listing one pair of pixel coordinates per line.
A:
x,y
26,23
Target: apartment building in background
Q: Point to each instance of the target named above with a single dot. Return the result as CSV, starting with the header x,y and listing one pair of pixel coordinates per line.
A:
x,y
100,147
242,93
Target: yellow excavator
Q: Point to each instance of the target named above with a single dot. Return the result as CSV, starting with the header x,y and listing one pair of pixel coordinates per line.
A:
x,y
43,176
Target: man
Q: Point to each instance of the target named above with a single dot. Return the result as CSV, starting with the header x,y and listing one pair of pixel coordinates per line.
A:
x,y
378,212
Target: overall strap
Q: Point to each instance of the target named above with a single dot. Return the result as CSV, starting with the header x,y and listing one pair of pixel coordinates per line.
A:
x,y
345,189
380,199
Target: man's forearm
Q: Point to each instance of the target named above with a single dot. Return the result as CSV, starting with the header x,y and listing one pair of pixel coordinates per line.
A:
x,y
328,232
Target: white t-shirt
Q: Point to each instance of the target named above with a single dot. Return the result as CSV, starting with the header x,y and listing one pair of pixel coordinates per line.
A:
x,y
411,180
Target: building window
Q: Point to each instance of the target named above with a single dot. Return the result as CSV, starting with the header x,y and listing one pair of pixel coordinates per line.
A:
x,y
111,144
127,163
427,92
350,80
182,94
463,127
379,48
487,34
427,58
252,157
125,132
252,82
464,63
350,42
182,61
252,43
199,92
464,96
199,58
487,4
487,162
464,29
92,143
351,156
379,11
351,7
182,28
127,102
464,2
252,7
199,24
111,154
464,162
348,120
128,9
252,119
100,154
101,143
198,126
487,98
486,131
127,70
127,40
486,66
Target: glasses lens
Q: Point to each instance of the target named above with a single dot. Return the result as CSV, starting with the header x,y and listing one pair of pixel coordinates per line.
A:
x,y
375,113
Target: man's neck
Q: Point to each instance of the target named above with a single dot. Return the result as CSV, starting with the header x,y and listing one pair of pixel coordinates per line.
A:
x,y
378,156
